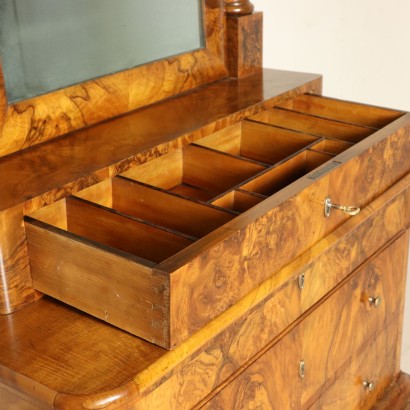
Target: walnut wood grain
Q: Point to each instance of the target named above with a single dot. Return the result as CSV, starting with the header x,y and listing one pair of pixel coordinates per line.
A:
x,y
346,391
56,169
60,167
273,381
118,289
315,125
42,118
254,242
160,207
238,7
16,287
58,346
244,44
203,284
344,111
256,141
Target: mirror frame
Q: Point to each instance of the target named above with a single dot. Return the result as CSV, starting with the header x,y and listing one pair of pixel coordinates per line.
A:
x,y
39,119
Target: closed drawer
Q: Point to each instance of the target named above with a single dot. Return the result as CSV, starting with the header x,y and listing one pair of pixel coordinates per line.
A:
x,y
352,389
335,339
352,318
197,229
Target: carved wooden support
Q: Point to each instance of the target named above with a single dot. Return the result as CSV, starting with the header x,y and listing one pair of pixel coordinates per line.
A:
x,y
244,46
16,288
238,8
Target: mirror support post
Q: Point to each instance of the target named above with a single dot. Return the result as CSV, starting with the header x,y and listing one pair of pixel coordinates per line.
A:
x,y
245,37
238,8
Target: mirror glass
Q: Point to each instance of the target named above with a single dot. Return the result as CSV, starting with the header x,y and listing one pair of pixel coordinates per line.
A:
x,y
48,44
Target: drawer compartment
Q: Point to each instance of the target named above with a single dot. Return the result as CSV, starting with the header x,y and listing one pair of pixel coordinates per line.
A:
x,y
256,141
195,172
211,222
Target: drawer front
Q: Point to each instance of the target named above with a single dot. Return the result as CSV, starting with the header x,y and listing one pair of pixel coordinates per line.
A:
x,y
351,389
286,224
244,330
257,209
308,361
351,318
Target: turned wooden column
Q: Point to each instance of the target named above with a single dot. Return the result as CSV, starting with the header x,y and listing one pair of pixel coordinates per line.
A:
x,y
238,8
244,46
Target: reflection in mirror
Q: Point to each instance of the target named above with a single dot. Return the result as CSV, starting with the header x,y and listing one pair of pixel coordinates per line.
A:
x,y
47,44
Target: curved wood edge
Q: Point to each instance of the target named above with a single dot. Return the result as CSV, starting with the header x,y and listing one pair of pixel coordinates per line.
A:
x,y
42,118
238,8
43,397
115,399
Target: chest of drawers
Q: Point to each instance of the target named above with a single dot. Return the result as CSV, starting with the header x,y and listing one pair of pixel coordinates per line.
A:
x,y
241,245
271,303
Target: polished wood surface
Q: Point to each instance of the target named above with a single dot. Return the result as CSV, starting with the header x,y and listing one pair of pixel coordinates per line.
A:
x,y
36,120
244,44
16,287
249,281
238,7
199,283
315,125
61,350
257,237
50,171
273,380
344,111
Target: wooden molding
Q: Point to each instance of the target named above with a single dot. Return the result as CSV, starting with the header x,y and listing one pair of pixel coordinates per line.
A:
x,y
36,120
245,39
238,8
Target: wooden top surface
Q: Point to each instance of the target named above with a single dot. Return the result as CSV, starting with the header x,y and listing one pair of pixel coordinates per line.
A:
x,y
52,170
70,351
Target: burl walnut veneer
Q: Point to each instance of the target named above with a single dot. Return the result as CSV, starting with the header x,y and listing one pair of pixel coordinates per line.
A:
x,y
240,245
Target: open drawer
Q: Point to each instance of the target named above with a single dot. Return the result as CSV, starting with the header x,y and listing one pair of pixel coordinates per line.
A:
x,y
165,247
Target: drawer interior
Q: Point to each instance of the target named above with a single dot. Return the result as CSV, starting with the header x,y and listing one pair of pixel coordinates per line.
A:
x,y
151,213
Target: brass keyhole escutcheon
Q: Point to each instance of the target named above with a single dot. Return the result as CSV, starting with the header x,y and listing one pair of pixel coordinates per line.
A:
x,y
301,281
302,369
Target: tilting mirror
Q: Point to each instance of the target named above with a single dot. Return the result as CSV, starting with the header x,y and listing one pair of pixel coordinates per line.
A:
x,y
47,45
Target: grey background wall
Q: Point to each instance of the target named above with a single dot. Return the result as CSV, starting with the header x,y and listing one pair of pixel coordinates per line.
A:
x,y
361,48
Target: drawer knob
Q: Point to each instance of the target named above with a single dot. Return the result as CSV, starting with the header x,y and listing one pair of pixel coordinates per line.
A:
x,y
376,301
350,210
369,386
